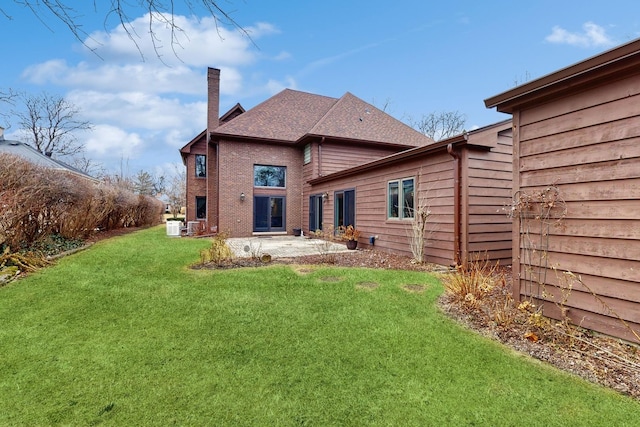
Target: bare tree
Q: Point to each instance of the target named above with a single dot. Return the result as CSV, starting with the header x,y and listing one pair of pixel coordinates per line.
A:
x,y
49,122
439,125
86,165
176,190
159,11
7,97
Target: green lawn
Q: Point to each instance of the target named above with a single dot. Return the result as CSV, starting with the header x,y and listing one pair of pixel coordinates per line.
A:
x,y
125,334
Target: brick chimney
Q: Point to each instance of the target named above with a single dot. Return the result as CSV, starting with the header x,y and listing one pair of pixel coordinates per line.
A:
x,y
213,99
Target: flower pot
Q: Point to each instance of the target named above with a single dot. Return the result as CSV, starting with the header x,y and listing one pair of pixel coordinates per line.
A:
x,y
352,244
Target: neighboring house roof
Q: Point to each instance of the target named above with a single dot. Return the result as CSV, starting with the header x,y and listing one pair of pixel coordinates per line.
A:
x,y
291,116
32,155
619,60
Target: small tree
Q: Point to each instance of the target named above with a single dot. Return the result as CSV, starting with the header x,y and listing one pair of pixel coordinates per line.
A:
x,y
148,185
176,191
439,125
419,230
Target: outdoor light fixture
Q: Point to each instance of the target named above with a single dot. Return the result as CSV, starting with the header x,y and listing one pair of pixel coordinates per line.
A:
x,y
325,196
242,197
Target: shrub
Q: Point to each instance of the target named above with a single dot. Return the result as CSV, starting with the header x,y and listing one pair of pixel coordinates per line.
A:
x,y
218,253
472,281
36,202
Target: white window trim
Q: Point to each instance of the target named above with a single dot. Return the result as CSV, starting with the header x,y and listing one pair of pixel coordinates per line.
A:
x,y
400,183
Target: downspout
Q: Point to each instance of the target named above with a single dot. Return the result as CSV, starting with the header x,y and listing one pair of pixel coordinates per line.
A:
x,y
456,203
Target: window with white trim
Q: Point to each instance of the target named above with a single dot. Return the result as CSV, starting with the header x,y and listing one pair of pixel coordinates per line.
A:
x,y
400,198
307,154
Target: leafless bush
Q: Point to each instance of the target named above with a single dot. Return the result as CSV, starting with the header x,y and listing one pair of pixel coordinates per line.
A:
x,y
36,202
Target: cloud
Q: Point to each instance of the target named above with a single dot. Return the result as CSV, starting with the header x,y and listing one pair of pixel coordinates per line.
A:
x,y
112,142
593,35
147,100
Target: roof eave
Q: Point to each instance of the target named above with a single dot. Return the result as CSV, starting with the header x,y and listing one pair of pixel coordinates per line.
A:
x,y
457,140
559,80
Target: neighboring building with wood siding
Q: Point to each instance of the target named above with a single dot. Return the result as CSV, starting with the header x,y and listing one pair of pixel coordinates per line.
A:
x,y
577,131
300,161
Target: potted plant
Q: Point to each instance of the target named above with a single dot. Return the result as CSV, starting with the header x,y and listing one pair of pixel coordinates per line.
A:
x,y
350,235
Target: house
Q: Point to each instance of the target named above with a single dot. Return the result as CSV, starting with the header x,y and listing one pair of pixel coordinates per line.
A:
x,y
32,155
464,182
246,170
300,161
577,166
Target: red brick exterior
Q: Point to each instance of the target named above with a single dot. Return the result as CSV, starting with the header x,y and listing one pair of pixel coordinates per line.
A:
x,y
195,186
236,177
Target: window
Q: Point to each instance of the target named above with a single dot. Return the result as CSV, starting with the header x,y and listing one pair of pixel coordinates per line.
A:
x,y
401,198
307,154
344,208
269,176
201,165
201,207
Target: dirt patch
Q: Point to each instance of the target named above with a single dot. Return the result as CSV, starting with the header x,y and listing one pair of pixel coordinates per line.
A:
x,y
303,270
414,288
331,279
369,286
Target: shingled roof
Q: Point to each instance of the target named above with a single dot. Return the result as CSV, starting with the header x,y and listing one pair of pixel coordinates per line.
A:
x,y
30,154
290,116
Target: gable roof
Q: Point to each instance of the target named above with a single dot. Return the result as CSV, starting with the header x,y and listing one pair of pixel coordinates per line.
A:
x,y
291,116
352,118
286,116
619,60
233,112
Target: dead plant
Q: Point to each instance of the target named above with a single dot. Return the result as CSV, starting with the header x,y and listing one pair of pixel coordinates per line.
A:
x,y
324,243
472,281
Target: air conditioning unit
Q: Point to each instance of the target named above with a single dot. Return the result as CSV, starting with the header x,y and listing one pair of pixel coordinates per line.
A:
x,y
193,227
173,228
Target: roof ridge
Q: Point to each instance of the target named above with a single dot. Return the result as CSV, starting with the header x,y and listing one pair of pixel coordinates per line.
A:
x,y
326,113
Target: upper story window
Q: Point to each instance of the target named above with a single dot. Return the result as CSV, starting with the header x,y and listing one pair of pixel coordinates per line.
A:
x,y
307,154
269,176
400,198
201,165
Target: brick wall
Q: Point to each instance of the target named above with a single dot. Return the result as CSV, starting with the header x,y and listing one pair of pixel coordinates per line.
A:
x,y
236,176
195,186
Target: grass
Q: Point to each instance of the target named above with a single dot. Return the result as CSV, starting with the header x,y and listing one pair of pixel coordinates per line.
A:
x,y
125,334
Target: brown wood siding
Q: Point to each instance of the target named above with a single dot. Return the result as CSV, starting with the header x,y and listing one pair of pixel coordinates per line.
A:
x,y
489,191
588,144
434,178
337,157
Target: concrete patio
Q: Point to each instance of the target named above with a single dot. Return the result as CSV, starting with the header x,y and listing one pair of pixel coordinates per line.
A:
x,y
282,246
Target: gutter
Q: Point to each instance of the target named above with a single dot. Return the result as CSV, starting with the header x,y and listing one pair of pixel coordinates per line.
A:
x,y
456,202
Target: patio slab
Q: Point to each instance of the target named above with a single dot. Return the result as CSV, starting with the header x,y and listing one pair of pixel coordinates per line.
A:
x,y
282,246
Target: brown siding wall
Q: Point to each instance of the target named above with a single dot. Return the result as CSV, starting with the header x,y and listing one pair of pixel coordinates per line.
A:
x,y
487,185
434,178
236,176
337,157
588,145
